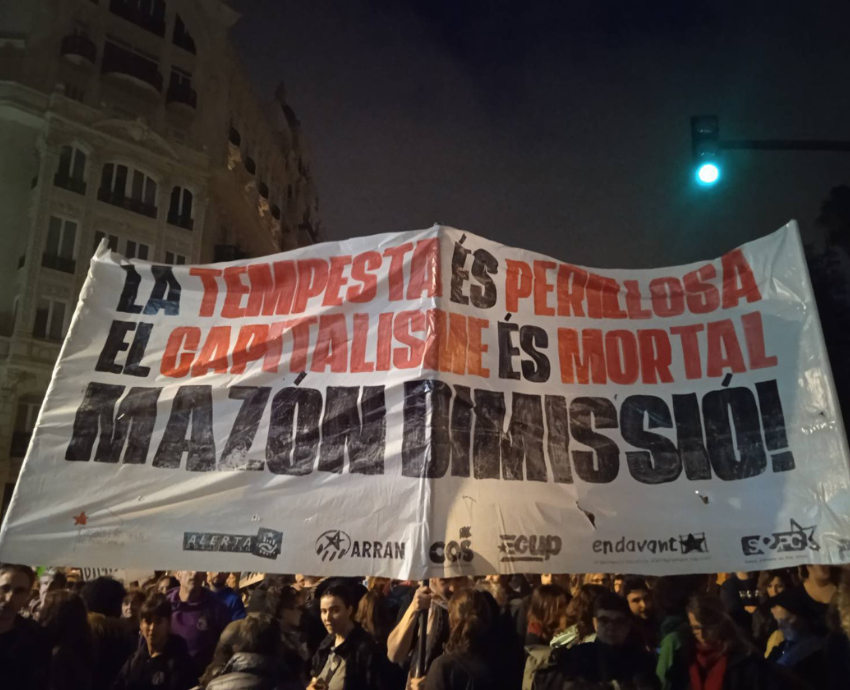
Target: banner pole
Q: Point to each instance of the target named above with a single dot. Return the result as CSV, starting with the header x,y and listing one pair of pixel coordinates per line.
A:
x,y
423,639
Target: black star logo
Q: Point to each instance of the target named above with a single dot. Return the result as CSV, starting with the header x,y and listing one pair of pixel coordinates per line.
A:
x,y
503,548
693,543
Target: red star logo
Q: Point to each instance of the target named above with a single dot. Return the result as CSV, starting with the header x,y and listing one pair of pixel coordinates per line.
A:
x,y
80,519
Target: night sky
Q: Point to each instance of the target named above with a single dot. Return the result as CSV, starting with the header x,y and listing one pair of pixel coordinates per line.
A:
x,y
559,127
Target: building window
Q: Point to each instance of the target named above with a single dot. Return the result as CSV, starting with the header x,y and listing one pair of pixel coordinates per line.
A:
x,y
131,189
263,189
250,165
181,37
136,250
25,418
180,88
174,259
59,251
180,208
275,212
149,14
289,191
50,319
72,170
111,241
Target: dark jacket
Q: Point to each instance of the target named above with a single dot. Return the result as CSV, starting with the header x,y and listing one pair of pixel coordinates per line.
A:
x,y
743,672
199,622
232,600
247,671
171,670
366,666
805,659
114,643
458,671
24,656
595,662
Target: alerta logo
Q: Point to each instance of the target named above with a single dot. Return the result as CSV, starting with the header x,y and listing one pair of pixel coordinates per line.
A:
x,y
459,551
691,543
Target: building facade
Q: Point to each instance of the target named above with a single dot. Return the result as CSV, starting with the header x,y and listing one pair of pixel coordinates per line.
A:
x,y
130,121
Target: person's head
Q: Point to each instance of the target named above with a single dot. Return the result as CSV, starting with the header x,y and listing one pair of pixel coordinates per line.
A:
x,y
619,579
16,583
548,609
105,596
374,616
217,580
638,596
745,575
580,608
710,625
233,581
191,581
64,618
601,579
820,574
773,582
132,604
337,609
378,583
155,621
166,583
470,621
445,587
611,618
560,579
51,580
671,594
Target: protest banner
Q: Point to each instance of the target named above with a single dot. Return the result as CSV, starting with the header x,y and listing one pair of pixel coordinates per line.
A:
x,y
432,403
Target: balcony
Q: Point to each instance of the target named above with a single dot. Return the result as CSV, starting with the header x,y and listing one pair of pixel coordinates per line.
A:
x,y
20,443
72,184
181,221
134,68
129,10
182,95
58,263
134,205
78,49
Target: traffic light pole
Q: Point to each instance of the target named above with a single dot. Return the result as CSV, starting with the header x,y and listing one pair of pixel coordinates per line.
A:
x,y
783,145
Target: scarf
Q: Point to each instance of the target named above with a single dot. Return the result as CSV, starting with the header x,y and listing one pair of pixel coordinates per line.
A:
x,y
708,670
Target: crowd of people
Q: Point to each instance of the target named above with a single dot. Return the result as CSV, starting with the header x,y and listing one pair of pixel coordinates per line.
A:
x,y
739,631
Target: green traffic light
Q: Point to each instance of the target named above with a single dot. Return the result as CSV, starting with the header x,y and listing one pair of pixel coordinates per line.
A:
x,y
708,174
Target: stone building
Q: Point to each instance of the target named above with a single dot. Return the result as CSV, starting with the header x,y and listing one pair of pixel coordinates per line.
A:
x,y
130,121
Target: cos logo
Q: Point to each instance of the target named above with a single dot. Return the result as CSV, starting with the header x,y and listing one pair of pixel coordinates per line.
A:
x,y
459,551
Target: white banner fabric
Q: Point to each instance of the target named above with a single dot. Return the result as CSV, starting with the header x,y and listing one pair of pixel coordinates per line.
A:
x,y
431,403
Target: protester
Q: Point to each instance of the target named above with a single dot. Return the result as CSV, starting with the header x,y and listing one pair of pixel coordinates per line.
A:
x,y
820,584
197,616
348,658
376,616
227,596
670,598
163,661
51,580
602,579
24,649
619,580
802,648
610,658
740,597
546,615
402,644
166,583
131,606
65,622
715,654
253,646
578,626
837,645
467,663
114,640
637,594
770,583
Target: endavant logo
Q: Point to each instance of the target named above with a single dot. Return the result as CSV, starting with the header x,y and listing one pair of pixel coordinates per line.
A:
x,y
691,543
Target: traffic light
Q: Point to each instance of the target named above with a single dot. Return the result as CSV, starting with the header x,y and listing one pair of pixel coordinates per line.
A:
x,y
705,139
